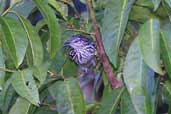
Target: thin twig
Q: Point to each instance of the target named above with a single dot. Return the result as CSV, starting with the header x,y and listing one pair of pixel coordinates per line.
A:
x,y
101,51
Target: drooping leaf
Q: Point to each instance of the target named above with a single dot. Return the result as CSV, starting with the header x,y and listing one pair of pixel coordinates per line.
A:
x,y
166,47
54,29
139,80
156,4
149,38
110,102
126,104
21,106
35,44
69,98
113,26
15,38
168,2
25,86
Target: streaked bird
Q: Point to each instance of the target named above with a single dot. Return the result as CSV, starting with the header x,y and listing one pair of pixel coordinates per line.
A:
x,y
81,49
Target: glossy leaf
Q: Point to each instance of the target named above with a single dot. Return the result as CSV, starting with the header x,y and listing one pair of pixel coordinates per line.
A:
x,y
2,65
126,104
139,80
34,42
156,4
149,38
166,47
68,96
25,86
168,2
110,102
113,28
16,39
54,29
21,106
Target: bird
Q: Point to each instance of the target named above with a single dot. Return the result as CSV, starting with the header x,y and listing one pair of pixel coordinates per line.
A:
x,y
81,49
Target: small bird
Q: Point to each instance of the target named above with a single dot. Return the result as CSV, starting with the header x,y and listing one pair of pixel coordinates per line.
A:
x,y
81,49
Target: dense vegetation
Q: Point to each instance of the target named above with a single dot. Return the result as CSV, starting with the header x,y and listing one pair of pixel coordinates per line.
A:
x,y
131,68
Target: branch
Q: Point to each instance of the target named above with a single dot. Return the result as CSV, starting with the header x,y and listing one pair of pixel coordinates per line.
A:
x,y
101,51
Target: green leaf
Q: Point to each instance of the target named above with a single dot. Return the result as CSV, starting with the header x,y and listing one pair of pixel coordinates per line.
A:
x,y
110,102
25,86
156,4
2,6
69,98
139,80
2,65
168,2
126,104
149,38
6,96
54,29
140,14
167,86
15,38
34,42
59,7
21,106
40,72
165,46
113,28
23,7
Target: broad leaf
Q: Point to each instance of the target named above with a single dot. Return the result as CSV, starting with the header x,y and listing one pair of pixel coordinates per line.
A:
x,y
110,102
35,44
69,98
25,86
21,106
166,47
15,38
149,38
139,80
113,27
40,72
52,22
156,4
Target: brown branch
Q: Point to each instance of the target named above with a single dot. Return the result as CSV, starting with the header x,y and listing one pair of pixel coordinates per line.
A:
x,y
100,49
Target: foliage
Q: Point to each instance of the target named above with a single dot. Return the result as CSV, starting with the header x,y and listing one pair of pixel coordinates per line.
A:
x,y
38,77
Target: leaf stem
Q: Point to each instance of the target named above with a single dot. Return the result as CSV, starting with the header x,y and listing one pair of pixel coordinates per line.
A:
x,y
7,70
100,49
